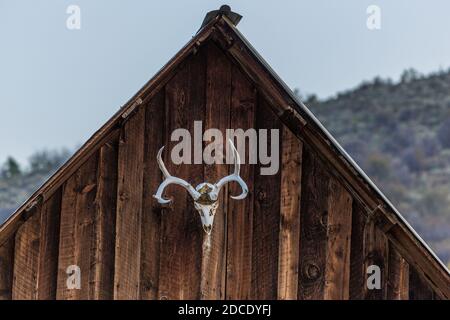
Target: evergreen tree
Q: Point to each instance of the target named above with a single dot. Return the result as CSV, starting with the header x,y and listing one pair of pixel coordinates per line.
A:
x,y
11,168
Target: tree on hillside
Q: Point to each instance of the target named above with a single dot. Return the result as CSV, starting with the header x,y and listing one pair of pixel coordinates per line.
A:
x,y
409,75
378,167
415,159
47,161
10,168
443,133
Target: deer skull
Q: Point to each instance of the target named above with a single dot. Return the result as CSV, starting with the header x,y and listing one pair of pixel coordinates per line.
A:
x,y
205,195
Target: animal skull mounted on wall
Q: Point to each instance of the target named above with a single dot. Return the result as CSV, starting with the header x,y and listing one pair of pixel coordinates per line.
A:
x,y
205,195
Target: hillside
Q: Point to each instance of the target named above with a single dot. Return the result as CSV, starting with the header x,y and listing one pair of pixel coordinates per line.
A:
x,y
17,184
399,133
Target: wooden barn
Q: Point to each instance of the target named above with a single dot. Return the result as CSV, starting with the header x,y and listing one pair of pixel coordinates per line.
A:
x,y
308,232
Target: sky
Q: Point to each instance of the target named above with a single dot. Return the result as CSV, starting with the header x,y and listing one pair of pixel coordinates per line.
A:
x,y
58,86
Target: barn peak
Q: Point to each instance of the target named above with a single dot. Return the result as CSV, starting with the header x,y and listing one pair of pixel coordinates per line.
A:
x,y
218,78
224,10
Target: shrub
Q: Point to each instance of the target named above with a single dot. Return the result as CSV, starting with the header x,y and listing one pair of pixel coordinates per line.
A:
x,y
443,133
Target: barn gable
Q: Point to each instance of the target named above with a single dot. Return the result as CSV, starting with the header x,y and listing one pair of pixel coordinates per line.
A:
x,y
308,232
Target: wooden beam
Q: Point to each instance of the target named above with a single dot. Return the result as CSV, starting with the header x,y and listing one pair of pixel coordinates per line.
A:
x,y
313,227
398,278
240,213
251,66
357,254
291,179
406,246
418,287
376,253
6,269
266,215
217,116
26,259
77,230
337,269
151,215
102,284
49,248
181,232
129,208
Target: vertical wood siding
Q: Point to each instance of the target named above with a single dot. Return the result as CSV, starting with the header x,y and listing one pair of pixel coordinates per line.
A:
x,y
299,234
313,227
181,232
102,287
217,116
6,269
266,216
398,278
291,178
49,248
337,267
418,288
151,212
77,230
129,208
240,213
357,266
26,258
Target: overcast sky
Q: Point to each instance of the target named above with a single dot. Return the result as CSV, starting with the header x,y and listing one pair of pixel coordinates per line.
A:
x,y
57,86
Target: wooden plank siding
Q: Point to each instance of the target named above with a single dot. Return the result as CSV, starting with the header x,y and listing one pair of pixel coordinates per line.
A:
x,y
418,287
325,241
291,178
36,253
6,269
337,268
376,252
398,277
102,284
77,231
49,247
313,227
33,255
266,216
217,116
302,233
86,230
129,208
181,232
151,212
26,258
240,213
357,259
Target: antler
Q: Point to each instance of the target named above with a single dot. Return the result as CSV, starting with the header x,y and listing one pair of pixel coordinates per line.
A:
x,y
233,177
171,180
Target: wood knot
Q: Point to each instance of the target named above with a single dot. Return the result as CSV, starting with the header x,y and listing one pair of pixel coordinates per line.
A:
x,y
246,104
334,229
324,219
311,271
261,196
123,196
147,285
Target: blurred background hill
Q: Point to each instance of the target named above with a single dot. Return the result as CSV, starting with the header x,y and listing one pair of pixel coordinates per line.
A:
x,y
399,133
17,183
